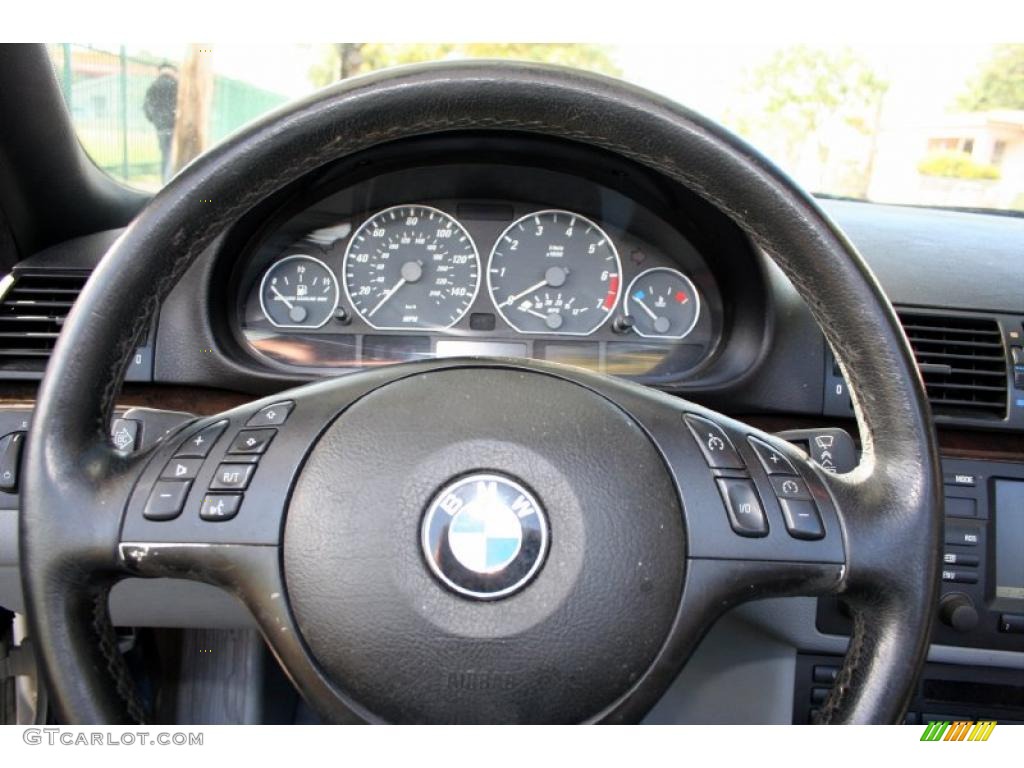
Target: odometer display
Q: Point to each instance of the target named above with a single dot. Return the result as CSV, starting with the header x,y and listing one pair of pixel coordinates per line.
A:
x,y
554,272
411,266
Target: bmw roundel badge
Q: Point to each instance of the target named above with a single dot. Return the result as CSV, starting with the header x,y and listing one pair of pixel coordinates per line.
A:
x,y
484,535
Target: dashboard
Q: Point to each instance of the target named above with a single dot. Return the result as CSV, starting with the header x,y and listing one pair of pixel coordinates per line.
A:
x,y
448,256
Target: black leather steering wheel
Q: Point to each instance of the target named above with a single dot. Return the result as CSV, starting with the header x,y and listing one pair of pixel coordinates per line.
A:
x,y
332,549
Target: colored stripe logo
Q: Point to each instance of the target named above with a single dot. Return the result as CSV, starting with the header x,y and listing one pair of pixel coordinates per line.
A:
x,y
961,730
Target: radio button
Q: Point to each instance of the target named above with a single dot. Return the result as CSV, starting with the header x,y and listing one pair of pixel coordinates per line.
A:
x,y
963,536
956,558
1012,623
957,576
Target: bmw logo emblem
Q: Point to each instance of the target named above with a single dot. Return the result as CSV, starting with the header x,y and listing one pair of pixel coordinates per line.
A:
x,y
484,536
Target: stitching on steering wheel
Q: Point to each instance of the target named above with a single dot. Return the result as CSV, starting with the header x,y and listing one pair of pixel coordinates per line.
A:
x,y
116,667
844,680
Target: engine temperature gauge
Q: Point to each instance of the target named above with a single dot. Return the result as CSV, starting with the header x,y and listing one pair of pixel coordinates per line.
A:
x,y
662,303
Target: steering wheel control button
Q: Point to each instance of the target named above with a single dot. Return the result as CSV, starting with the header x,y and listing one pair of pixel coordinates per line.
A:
x,y
746,515
124,433
272,416
198,446
252,441
181,469
716,446
166,500
774,462
232,477
802,519
484,536
790,488
10,461
218,507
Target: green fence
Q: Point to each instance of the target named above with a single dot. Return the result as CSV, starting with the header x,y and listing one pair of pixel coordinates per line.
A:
x,y
105,91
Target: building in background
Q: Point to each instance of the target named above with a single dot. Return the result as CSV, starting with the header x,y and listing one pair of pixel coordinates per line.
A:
x,y
969,160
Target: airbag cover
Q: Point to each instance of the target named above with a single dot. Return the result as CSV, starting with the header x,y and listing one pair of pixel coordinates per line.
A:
x,y
388,633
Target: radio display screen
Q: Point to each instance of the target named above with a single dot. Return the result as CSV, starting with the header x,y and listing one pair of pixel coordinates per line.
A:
x,y
1009,509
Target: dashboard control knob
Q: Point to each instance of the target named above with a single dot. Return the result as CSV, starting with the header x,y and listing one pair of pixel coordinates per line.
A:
x,y
957,611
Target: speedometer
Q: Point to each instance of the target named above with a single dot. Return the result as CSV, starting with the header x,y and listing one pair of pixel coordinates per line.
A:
x,y
554,272
411,266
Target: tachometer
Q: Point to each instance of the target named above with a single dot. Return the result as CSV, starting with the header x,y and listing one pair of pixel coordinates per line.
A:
x,y
299,292
554,272
411,266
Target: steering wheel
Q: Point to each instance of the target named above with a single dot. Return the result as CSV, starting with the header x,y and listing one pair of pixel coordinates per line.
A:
x,y
481,540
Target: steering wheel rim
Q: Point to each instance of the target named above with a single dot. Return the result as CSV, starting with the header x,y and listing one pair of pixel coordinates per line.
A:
x,y
889,509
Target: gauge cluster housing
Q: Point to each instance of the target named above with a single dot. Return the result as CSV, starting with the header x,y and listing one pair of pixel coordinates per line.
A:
x,y
485,186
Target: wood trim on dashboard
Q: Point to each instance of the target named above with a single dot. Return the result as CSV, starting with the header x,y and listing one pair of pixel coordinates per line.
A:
x,y
206,401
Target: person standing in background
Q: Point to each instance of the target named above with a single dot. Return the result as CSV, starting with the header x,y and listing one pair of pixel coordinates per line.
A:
x,y
161,108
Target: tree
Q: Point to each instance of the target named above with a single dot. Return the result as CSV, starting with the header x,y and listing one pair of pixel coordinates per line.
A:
x,y
195,94
340,60
1000,82
800,91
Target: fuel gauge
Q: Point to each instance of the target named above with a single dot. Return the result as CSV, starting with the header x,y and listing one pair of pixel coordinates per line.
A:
x,y
662,303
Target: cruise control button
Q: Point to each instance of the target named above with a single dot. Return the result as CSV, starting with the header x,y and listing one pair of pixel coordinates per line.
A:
x,y
790,488
716,446
773,461
271,416
802,519
181,469
252,441
746,515
217,507
232,477
167,499
198,446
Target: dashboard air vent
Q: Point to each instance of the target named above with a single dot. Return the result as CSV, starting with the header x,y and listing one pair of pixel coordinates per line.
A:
x,y
962,361
32,313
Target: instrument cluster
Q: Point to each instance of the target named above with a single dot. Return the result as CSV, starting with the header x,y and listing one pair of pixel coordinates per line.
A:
x,y
615,290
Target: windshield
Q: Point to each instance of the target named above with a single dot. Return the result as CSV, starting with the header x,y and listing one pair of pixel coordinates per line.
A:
x,y
933,126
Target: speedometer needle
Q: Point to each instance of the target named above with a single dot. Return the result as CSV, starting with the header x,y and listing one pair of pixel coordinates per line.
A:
x,y
282,298
387,295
